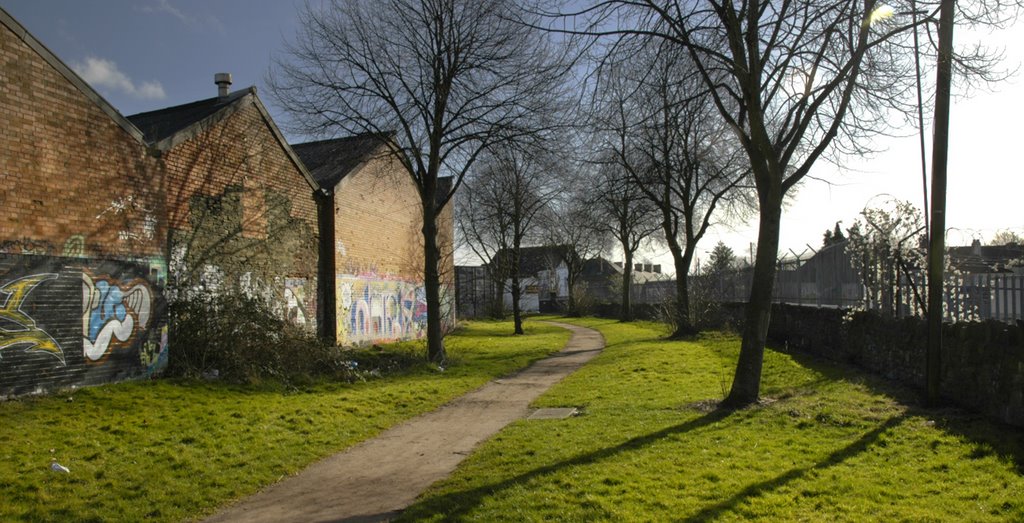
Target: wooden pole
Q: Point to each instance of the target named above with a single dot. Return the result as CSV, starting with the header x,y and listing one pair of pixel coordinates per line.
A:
x,y
937,243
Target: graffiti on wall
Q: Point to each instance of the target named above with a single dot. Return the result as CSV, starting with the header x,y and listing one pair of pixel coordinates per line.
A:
x,y
374,309
74,246
296,309
113,314
71,322
153,354
19,329
140,220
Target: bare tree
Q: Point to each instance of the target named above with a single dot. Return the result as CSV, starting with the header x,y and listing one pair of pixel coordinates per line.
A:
x,y
573,224
796,81
628,216
503,198
450,77
661,129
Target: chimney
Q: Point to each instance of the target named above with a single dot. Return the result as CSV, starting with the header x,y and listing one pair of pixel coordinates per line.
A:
x,y
648,267
638,267
223,81
976,247
657,269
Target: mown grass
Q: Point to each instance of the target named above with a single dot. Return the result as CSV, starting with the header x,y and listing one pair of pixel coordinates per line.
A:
x,y
171,450
827,444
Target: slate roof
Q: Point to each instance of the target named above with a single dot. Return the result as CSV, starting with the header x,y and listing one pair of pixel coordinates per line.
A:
x,y
329,161
163,123
535,259
981,259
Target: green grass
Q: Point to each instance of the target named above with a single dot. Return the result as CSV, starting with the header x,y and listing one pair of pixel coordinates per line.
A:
x,y
172,450
827,444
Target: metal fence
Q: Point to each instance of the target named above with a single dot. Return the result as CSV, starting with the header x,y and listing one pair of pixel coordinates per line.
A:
x,y
828,280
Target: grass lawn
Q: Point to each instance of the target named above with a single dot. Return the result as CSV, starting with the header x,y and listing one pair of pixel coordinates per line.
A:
x,y
169,450
827,444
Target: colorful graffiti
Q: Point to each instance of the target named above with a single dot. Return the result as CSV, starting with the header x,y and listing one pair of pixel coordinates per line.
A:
x,y
74,246
153,354
19,329
102,320
112,314
295,301
373,309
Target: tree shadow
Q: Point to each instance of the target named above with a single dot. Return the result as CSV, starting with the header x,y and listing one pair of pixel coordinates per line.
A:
x,y
988,435
756,489
457,504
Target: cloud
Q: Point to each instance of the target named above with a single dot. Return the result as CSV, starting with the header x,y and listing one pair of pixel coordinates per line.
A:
x,y
101,73
192,22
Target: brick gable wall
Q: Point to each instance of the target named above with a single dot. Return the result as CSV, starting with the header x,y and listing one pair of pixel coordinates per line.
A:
x,y
379,254
81,269
93,220
241,213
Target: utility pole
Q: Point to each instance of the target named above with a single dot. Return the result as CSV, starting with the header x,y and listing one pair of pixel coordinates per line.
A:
x,y
937,242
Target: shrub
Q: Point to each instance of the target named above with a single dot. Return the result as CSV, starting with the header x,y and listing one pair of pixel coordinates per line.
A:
x,y
241,338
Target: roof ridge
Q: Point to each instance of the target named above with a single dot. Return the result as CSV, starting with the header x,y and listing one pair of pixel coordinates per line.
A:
x,y
230,98
368,134
70,75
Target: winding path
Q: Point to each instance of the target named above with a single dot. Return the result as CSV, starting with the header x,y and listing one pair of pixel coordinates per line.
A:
x,y
376,479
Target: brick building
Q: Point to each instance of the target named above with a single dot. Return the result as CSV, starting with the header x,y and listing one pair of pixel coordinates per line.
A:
x,y
238,203
99,208
104,216
371,221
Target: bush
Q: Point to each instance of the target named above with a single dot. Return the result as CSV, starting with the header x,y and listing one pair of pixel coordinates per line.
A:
x,y
242,339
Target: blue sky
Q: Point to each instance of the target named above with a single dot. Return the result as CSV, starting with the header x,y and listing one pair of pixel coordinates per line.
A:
x,y
149,54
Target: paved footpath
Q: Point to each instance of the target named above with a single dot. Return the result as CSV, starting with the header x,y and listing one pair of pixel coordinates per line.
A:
x,y
376,479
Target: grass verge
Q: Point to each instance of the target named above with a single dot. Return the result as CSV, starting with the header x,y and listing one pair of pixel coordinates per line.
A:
x,y
827,444
170,450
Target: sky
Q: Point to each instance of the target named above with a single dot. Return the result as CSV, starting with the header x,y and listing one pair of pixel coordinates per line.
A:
x,y
143,55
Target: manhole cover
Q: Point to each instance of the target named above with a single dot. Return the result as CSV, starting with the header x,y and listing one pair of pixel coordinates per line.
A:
x,y
559,413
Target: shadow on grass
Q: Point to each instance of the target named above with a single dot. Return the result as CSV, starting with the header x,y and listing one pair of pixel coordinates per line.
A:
x,y
757,489
458,504
988,436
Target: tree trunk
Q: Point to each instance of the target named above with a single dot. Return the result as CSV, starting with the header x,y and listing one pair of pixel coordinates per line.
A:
x,y
517,313
684,327
570,282
432,284
746,384
936,243
626,314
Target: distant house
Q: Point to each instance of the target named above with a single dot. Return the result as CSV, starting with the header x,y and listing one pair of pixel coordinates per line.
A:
x,y
543,277
371,241
603,279
988,259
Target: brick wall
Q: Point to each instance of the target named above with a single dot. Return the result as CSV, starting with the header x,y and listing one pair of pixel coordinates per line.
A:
x,y
379,254
94,219
241,214
81,270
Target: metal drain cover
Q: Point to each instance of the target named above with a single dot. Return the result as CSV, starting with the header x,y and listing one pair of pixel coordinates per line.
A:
x,y
559,413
